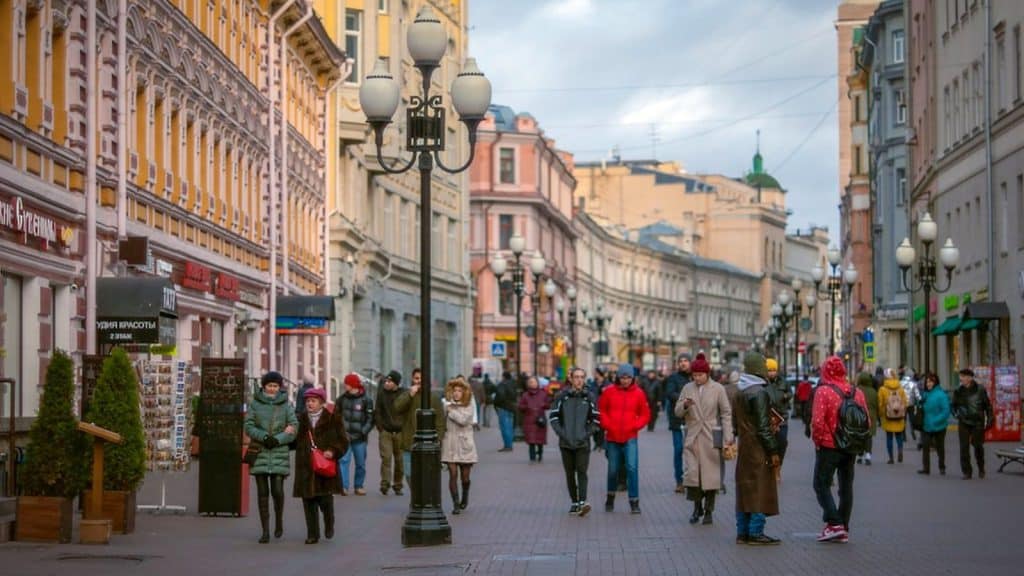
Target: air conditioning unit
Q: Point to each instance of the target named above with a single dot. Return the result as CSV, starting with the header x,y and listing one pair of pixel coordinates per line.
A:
x,y
20,101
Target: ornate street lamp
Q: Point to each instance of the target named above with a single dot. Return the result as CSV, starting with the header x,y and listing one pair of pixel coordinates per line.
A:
x,y
833,289
537,265
782,312
498,266
797,285
630,332
571,293
717,342
426,524
599,319
672,341
927,279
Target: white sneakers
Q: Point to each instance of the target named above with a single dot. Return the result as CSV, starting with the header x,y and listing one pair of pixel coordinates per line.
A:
x,y
834,533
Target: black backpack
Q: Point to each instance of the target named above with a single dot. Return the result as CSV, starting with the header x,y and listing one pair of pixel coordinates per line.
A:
x,y
853,429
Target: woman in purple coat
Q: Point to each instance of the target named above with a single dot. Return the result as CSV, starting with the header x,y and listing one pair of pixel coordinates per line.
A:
x,y
534,404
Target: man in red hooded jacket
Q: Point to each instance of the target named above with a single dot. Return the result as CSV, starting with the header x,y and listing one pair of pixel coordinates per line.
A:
x,y
624,412
828,460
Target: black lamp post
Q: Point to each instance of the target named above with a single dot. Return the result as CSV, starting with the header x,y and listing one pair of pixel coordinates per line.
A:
x,y
549,289
782,312
672,344
599,319
834,287
426,524
717,342
517,244
631,333
571,293
927,279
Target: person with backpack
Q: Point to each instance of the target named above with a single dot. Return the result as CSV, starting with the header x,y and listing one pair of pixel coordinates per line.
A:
x,y
573,420
866,384
892,414
841,429
935,409
973,410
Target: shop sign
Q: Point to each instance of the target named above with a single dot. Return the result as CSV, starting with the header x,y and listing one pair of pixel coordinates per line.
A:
x,y
14,216
127,330
164,268
225,286
250,297
951,302
197,277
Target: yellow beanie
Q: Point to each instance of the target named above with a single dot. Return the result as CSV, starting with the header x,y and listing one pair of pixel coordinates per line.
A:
x,y
771,364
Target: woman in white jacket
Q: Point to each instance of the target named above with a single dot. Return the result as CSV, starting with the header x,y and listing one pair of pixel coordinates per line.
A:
x,y
458,448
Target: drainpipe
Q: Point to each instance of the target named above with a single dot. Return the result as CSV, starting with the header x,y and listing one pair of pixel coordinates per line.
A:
x,y
282,102
909,204
346,69
271,117
122,119
992,351
91,271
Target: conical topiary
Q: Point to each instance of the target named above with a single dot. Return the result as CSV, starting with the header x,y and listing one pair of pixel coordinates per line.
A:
x,y
56,464
115,406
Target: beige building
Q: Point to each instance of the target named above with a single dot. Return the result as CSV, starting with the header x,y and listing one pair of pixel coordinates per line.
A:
x,y
373,217
804,249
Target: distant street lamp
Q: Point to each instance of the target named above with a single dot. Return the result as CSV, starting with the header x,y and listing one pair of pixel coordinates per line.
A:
x,y
427,40
571,293
949,256
600,320
836,280
537,265
782,312
499,265
631,333
717,342
672,341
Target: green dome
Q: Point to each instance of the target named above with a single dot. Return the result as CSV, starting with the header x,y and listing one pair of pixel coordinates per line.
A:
x,y
763,180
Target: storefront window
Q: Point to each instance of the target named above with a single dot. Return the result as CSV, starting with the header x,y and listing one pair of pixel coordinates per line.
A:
x,y
12,339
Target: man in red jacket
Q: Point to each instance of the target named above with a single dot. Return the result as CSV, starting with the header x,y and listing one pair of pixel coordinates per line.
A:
x,y
624,412
829,460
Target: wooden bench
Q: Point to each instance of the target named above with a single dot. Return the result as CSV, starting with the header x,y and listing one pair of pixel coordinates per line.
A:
x,y
1008,456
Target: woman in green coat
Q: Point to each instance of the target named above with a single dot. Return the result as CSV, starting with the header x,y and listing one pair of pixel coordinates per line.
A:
x,y
866,383
270,424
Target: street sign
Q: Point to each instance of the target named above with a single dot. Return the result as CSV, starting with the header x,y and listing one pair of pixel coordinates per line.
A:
x,y
498,349
802,348
869,352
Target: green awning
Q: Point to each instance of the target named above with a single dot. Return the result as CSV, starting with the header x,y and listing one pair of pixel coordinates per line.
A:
x,y
970,324
950,326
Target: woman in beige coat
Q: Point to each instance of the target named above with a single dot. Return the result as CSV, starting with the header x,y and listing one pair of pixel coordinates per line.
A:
x,y
704,406
458,449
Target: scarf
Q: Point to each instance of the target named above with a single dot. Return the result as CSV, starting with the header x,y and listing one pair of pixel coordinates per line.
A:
x,y
314,417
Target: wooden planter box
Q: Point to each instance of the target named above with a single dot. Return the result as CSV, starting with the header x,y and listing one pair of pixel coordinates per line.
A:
x,y
118,506
44,519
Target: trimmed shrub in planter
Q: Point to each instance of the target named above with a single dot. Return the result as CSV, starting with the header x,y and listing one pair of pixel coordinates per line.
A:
x,y
56,466
115,406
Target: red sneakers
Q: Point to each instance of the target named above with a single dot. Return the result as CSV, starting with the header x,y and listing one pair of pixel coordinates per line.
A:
x,y
833,533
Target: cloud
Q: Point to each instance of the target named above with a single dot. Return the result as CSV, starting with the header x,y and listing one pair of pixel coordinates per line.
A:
x,y
570,8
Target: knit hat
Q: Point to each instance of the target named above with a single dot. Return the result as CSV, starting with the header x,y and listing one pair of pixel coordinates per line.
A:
x,y
753,363
352,380
700,365
270,377
684,356
318,392
771,364
395,376
626,370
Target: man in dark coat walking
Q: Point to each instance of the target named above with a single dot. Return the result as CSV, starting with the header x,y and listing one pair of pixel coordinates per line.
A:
x,y
973,411
573,419
673,388
506,402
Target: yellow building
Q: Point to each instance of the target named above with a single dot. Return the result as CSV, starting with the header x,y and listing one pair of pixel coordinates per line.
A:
x,y
194,157
374,217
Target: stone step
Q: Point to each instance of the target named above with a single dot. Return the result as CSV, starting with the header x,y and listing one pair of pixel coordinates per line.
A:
x,y
8,506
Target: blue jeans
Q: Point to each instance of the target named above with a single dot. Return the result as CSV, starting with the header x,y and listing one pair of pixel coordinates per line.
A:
x,y
357,449
888,442
506,422
407,464
750,523
628,455
677,454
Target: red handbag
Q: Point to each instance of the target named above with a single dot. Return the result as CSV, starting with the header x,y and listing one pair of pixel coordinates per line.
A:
x,y
322,465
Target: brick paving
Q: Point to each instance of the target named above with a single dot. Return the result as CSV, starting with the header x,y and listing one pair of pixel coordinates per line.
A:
x,y
517,524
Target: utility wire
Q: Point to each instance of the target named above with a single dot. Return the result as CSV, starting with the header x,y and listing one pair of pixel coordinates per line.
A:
x,y
806,138
695,84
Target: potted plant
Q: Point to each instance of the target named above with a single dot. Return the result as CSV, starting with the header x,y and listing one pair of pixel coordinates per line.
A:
x,y
56,466
115,406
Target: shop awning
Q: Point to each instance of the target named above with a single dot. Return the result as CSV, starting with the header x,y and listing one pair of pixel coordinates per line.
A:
x,y
305,307
987,311
950,326
970,324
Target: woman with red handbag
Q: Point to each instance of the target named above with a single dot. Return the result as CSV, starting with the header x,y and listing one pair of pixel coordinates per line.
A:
x,y
321,440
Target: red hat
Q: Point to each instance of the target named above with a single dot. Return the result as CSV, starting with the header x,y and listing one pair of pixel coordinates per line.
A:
x,y
700,365
352,380
318,392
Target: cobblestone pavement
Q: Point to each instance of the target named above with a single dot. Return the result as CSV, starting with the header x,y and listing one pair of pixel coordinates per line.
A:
x,y
517,523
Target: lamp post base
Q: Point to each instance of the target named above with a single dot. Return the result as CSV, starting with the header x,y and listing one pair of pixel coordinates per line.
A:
x,y
426,524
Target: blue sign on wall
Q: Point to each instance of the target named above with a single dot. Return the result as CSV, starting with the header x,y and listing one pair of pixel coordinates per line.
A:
x,y
498,349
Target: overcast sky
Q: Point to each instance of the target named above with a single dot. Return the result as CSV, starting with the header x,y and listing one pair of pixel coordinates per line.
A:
x,y
692,80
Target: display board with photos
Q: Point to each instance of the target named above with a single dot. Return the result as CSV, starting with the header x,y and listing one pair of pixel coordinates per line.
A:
x,y
165,392
219,426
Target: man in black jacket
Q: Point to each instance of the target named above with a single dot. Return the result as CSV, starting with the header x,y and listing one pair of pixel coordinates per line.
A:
x,y
389,425
973,410
506,401
574,418
673,387
357,413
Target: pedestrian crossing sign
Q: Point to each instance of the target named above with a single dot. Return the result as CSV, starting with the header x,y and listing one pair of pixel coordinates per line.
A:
x,y
498,349
869,351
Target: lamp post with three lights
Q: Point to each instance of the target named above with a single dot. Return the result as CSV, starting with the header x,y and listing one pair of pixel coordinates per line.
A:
x,y
837,280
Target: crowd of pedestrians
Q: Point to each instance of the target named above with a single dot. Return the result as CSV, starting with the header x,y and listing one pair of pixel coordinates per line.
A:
x,y
740,413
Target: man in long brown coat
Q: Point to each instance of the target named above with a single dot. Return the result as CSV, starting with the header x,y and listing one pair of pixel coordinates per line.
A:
x,y
756,491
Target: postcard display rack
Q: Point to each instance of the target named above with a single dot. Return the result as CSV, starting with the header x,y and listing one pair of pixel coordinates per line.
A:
x,y
165,391
220,419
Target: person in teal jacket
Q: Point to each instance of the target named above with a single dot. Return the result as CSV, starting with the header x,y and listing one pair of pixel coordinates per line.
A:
x,y
270,424
935,403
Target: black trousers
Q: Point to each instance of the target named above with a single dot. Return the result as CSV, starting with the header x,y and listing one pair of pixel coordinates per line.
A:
x,y
972,436
267,486
936,440
312,507
827,463
576,461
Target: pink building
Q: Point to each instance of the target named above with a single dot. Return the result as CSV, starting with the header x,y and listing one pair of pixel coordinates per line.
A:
x,y
521,184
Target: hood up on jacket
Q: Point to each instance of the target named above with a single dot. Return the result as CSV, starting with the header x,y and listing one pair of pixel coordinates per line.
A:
x,y
833,371
749,381
892,384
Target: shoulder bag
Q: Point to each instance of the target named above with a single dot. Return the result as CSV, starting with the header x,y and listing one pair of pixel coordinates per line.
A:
x,y
322,465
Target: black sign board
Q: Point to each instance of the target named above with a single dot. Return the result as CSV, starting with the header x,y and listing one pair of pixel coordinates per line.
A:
x,y
136,311
91,366
219,425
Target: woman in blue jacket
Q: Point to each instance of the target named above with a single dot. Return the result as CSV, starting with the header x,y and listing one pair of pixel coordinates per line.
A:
x,y
935,404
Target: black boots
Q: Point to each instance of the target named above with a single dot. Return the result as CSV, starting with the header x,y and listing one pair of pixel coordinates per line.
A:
x,y
278,517
698,511
609,502
456,508
465,495
709,506
309,506
634,505
264,507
